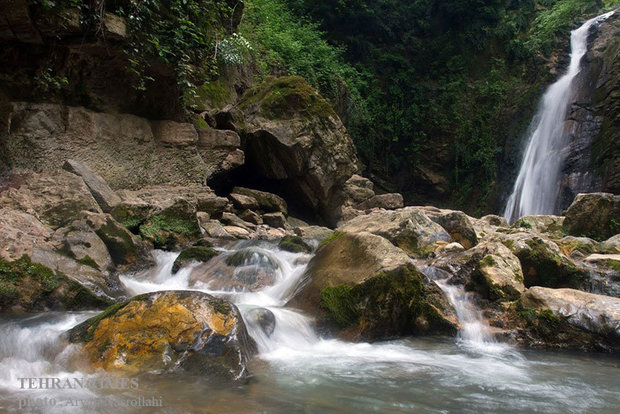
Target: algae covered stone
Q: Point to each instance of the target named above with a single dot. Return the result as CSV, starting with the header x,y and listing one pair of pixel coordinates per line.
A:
x,y
168,331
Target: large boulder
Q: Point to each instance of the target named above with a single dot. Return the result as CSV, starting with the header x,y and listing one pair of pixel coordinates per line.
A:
x,y
362,287
56,198
567,317
169,331
408,228
294,136
595,215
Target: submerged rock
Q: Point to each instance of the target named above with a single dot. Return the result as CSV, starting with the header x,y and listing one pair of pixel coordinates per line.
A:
x,y
264,318
169,331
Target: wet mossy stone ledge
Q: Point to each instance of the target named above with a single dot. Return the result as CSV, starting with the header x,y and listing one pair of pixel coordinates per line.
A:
x,y
168,331
30,287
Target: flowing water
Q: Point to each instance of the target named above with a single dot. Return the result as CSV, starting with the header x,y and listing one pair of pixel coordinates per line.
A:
x,y
297,371
536,190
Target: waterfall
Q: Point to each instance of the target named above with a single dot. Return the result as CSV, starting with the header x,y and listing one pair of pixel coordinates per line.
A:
x,y
536,190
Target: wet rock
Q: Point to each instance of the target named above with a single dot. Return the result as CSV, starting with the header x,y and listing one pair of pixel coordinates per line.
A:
x,y
595,319
195,254
408,228
595,215
262,317
169,331
294,244
100,190
248,269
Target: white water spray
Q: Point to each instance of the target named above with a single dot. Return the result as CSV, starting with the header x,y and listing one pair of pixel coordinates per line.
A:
x,y
537,188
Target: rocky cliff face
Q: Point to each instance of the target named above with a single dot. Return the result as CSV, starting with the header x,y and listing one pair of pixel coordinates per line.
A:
x,y
594,120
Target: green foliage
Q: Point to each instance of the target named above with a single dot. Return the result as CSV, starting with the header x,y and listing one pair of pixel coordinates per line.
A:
x,y
165,231
285,44
552,26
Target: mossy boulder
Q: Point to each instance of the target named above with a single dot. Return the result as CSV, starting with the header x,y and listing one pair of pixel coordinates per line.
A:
x,y
193,254
359,285
124,247
168,331
29,287
294,137
543,265
390,304
595,215
294,244
408,228
577,247
498,275
265,202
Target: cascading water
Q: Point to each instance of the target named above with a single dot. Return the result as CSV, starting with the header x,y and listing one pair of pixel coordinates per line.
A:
x,y
537,189
296,370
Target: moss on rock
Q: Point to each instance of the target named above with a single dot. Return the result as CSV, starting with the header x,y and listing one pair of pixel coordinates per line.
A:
x,y
193,254
287,97
165,231
294,244
28,287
